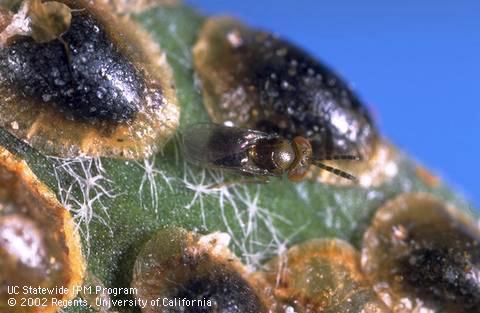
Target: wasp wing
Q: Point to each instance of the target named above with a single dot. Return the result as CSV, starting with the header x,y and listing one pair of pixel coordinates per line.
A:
x,y
214,145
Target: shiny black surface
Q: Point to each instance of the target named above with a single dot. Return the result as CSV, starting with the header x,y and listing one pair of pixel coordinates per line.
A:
x,y
87,78
225,288
313,101
291,93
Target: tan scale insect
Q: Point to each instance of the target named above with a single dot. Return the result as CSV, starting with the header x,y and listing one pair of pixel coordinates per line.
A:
x,y
423,255
321,275
39,245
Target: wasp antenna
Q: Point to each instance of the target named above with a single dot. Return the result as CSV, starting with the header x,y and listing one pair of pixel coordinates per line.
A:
x,y
342,157
336,171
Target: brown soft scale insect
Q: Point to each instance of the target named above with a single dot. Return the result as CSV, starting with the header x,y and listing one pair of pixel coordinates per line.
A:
x,y
423,256
253,152
39,245
76,79
253,79
321,276
177,264
285,90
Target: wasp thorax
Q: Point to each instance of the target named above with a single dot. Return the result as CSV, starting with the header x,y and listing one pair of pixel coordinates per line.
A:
x,y
75,63
198,273
422,254
275,155
283,155
38,244
322,275
254,79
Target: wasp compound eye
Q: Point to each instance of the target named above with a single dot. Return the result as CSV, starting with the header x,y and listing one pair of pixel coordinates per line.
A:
x,y
256,80
99,88
195,273
38,243
322,275
423,255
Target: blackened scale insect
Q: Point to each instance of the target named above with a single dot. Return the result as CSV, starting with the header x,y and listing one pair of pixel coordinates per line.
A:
x,y
179,264
252,152
78,80
254,79
285,90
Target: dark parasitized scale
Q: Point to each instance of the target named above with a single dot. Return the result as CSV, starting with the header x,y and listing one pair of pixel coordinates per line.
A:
x,y
283,90
176,264
78,80
254,79
86,79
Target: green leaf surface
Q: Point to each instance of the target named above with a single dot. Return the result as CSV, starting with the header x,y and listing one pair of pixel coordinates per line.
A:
x,y
127,201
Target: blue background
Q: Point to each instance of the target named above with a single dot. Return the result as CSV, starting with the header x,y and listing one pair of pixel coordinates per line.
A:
x,y
416,64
